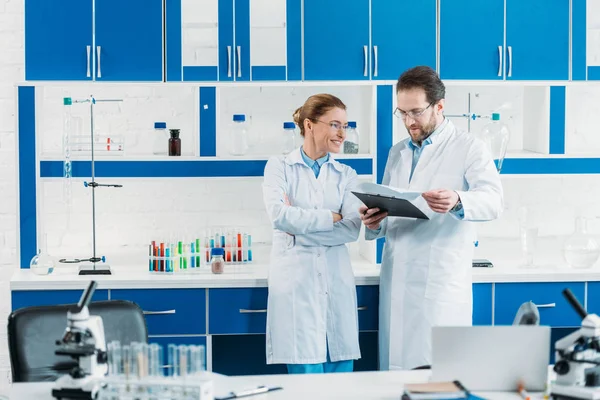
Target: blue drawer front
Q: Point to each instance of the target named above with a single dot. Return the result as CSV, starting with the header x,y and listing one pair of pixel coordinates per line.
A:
x,y
243,310
165,341
555,310
237,311
28,298
482,304
367,299
178,311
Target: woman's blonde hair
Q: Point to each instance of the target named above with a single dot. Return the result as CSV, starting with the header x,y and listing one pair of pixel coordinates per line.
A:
x,y
315,107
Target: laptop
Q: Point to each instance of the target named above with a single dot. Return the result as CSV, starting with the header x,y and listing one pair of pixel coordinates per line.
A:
x,y
492,358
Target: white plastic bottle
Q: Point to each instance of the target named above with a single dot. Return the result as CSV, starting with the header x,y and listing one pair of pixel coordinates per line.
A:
x,y
352,139
289,138
496,136
160,144
238,138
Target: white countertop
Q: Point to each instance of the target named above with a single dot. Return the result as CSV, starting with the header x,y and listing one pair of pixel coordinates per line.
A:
x,y
386,385
128,273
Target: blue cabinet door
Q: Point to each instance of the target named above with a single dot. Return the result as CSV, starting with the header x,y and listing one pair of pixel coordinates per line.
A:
x,y
129,40
482,304
399,46
471,39
260,38
537,39
58,36
336,40
554,309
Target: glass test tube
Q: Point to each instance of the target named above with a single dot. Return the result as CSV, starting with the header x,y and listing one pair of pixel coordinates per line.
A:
x,y
183,360
173,360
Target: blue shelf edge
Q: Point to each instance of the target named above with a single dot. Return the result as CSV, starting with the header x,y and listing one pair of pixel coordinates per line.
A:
x,y
255,168
178,169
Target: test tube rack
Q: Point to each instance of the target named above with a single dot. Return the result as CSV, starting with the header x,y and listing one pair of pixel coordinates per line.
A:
x,y
195,256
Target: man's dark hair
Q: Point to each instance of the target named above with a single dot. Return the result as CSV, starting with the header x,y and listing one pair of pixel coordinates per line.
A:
x,y
422,77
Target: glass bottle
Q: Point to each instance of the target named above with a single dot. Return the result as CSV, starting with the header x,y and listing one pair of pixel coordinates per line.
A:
x,y
238,140
42,263
496,136
289,138
217,262
580,249
352,139
174,143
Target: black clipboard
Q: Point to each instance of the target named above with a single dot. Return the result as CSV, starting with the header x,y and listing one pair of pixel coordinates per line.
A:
x,y
395,207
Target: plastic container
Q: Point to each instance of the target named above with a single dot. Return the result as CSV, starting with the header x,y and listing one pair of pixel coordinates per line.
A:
x,y
352,139
496,136
581,249
160,144
174,143
289,138
217,261
238,137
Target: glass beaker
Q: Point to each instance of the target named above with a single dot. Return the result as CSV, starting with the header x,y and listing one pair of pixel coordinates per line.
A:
x,y
580,249
528,233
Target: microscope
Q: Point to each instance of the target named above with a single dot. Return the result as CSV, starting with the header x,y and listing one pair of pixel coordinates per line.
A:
x,y
83,341
577,364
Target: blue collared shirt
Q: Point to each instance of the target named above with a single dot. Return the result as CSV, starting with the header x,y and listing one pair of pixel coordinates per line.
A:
x,y
315,165
418,150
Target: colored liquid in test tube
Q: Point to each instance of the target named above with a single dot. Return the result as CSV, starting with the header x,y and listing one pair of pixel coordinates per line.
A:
x,y
168,267
193,255
198,251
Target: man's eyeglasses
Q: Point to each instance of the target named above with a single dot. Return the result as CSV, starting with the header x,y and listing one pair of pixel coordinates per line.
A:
x,y
334,125
413,114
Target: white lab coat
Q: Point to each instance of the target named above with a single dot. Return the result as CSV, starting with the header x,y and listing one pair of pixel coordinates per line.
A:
x,y
312,293
426,266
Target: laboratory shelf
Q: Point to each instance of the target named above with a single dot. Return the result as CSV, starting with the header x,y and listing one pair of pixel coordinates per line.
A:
x,y
201,167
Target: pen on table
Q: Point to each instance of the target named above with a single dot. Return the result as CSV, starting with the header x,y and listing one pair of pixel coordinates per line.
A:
x,y
249,392
524,393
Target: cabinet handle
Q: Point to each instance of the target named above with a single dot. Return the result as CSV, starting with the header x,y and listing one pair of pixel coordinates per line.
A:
x,y
509,61
244,311
374,60
158,312
549,305
363,308
366,54
239,61
89,50
499,60
98,49
229,61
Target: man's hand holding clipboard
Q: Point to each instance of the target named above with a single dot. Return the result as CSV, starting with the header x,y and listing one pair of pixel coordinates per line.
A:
x,y
382,201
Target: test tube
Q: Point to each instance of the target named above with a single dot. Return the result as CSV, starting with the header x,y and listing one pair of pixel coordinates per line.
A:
x,y
183,360
173,360
196,360
150,254
198,252
168,266
239,245
162,255
193,255
126,361
154,360
245,247
249,248
115,358
186,252
211,238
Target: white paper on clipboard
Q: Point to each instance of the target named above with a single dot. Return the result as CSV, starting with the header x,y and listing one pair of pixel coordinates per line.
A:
x,y
383,190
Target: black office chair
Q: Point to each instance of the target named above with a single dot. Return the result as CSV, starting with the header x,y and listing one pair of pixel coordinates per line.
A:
x,y
33,331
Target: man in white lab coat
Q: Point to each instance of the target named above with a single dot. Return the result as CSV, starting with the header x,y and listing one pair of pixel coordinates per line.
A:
x,y
426,266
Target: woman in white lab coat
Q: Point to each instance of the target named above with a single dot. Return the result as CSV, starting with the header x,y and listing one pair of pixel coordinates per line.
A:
x,y
312,320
